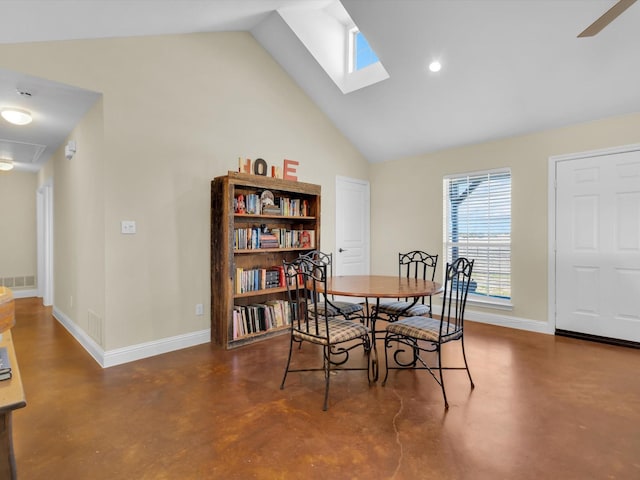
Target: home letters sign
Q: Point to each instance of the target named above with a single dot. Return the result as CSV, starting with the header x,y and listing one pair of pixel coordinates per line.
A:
x,y
259,166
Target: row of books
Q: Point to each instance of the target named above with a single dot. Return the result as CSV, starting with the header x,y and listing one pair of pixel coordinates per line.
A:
x,y
255,238
5,366
293,207
253,279
252,204
295,238
248,319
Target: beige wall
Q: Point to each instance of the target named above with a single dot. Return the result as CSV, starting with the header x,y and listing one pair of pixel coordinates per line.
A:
x,y
407,200
18,225
79,227
45,174
176,111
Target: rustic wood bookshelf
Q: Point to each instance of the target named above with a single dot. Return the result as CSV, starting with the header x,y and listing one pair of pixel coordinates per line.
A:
x,y
227,259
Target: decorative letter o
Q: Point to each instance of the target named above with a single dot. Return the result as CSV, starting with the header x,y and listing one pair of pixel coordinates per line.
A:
x,y
260,167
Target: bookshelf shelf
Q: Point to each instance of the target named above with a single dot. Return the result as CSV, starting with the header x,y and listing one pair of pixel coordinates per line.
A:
x,y
244,308
256,337
240,216
257,293
254,251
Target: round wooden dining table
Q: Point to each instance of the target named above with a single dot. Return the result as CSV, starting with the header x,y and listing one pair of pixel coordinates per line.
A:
x,y
377,287
381,286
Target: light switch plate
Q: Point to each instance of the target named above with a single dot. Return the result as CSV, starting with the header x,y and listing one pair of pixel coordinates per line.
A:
x,y
128,227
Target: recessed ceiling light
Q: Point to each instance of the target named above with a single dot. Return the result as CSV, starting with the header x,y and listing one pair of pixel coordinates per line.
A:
x,y
435,66
17,116
6,164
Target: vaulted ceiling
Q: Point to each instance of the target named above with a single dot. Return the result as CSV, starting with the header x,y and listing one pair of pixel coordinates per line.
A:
x,y
509,67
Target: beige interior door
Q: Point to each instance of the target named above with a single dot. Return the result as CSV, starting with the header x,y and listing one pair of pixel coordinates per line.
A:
x,y
598,245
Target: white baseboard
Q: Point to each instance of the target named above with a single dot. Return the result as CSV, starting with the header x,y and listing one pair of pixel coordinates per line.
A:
x,y
118,356
509,321
132,353
81,336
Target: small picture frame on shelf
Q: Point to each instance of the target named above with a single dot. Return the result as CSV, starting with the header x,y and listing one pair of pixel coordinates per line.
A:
x,y
269,207
266,198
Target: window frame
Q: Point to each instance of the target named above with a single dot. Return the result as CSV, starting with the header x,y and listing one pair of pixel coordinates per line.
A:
x,y
493,244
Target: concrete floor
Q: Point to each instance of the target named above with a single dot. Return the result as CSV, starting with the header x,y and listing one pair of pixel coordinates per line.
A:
x,y
544,407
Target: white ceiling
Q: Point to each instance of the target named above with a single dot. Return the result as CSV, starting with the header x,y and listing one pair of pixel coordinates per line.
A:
x,y
56,110
509,66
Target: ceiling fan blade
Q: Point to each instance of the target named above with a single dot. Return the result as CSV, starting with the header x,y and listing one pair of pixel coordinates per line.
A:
x,y
608,17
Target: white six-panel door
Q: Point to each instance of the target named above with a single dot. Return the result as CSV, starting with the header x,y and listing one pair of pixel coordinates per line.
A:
x,y
598,245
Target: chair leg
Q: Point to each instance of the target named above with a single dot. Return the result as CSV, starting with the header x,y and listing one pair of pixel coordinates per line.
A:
x,y
386,361
444,393
464,356
367,349
286,370
416,354
327,374
374,363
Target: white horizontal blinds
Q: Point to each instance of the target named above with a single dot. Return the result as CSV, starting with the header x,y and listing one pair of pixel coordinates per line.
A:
x,y
478,226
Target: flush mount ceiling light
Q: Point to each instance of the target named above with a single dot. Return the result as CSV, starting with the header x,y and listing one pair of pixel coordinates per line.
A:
x,y
17,116
435,66
6,164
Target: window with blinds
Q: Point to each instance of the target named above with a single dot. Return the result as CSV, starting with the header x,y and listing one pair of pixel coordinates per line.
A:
x,y
477,218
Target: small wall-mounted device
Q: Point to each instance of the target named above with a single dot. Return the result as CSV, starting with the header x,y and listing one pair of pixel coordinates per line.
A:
x,y
128,227
70,150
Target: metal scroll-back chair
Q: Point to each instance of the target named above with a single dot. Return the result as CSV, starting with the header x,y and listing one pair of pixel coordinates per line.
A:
x,y
335,308
424,334
415,264
306,286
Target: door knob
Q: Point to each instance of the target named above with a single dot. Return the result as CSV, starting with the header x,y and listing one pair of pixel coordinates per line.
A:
x,y
341,250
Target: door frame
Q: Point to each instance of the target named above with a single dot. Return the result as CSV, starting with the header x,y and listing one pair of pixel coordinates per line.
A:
x,y
44,226
551,206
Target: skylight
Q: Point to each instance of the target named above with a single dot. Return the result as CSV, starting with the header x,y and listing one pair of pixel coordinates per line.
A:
x,y
362,54
332,37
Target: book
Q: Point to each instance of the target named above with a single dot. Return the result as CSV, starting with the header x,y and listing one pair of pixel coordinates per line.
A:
x,y
271,210
253,205
269,240
239,276
5,365
305,239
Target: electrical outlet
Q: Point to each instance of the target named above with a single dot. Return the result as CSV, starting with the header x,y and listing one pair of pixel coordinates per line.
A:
x,y
199,309
128,227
